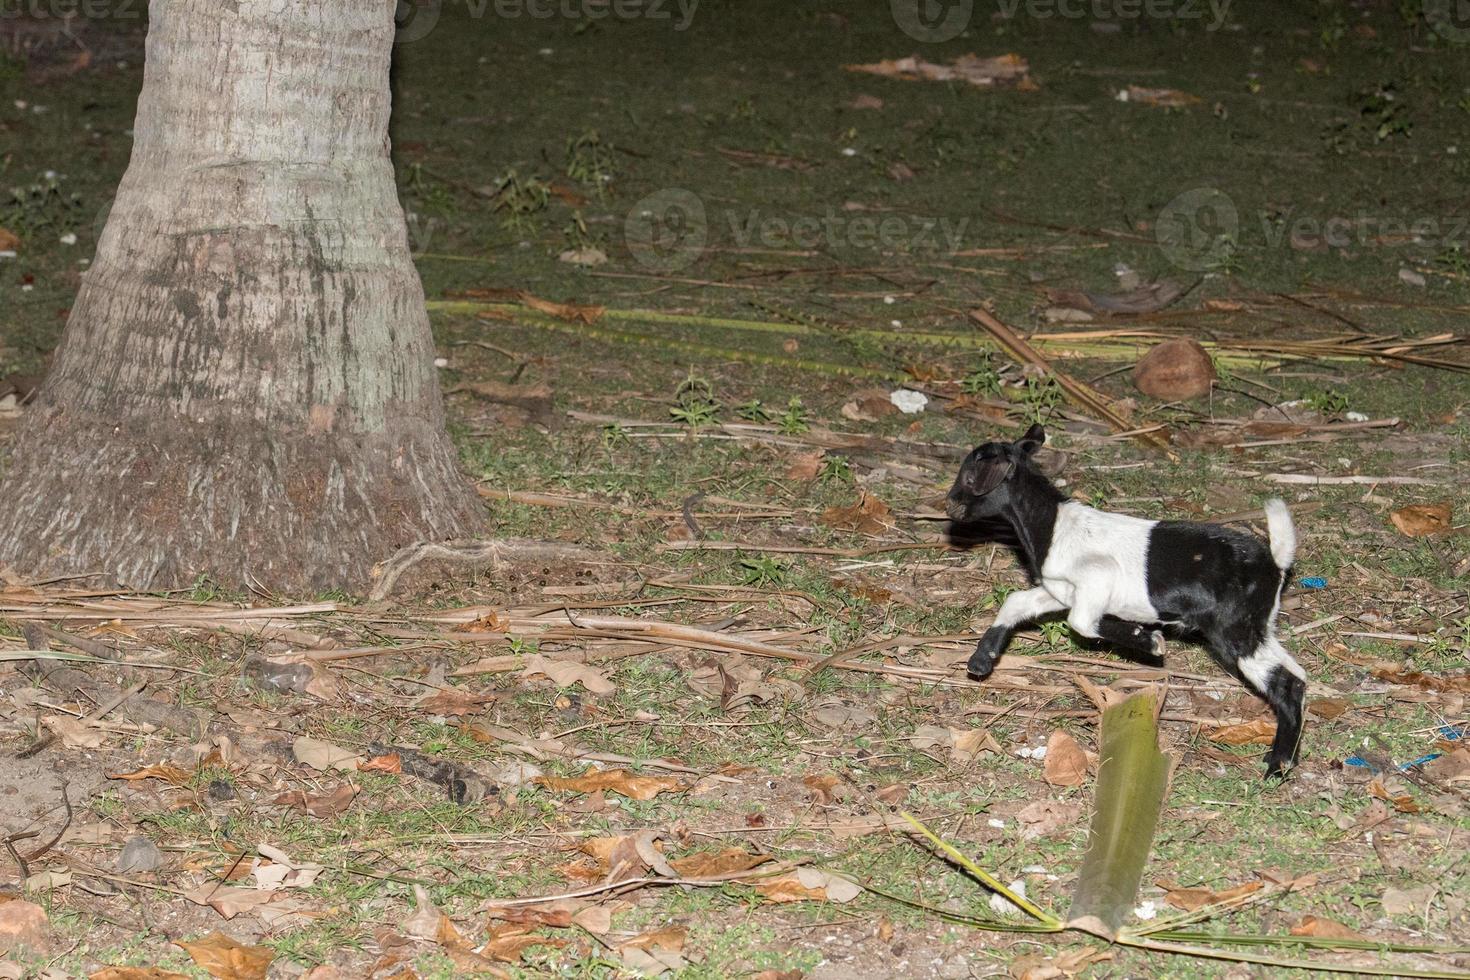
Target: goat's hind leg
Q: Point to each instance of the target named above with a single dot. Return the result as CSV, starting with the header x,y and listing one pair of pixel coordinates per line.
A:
x,y
1128,635
1276,677
1019,607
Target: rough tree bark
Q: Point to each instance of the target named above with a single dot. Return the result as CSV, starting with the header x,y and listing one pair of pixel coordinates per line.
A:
x,y
245,388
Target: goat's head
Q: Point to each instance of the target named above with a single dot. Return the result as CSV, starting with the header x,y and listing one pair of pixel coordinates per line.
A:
x,y
983,486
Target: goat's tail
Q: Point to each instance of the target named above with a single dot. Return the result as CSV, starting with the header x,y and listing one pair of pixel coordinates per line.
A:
x,y
1282,533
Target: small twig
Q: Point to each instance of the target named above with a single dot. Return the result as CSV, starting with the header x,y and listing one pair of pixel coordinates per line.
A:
x,y
38,852
762,871
687,510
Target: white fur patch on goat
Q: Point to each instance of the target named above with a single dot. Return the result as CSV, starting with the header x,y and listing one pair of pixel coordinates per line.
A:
x,y
1100,559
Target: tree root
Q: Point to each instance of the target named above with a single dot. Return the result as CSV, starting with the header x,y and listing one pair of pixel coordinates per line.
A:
x,y
469,557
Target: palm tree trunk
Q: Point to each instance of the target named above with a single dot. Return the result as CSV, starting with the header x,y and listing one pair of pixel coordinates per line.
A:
x,y
245,388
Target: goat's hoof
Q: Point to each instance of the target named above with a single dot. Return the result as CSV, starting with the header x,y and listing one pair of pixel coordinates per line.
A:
x,y
980,666
1279,769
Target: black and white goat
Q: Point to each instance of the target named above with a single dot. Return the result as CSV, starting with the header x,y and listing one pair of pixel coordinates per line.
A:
x,y
1122,580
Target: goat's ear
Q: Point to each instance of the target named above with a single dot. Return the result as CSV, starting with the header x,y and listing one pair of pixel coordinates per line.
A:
x,y
1031,441
979,477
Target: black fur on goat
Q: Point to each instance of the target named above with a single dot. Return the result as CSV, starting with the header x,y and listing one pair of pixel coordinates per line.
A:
x,y
1125,581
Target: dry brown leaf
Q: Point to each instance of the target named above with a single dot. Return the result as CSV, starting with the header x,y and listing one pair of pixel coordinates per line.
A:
x,y
454,702
602,849
1190,899
509,942
1431,682
808,885
618,858
1451,767
1068,963
565,673
1169,98
564,311
596,919
76,733
1311,925
869,405
320,805
1259,731
788,889
9,240
493,621
1402,802
136,973
1006,69
1421,520
1066,763
716,863
868,515
671,938
805,466
1102,698
324,755
221,957
893,794
1328,708
389,762
166,771
970,742
228,900
426,922
619,781
824,788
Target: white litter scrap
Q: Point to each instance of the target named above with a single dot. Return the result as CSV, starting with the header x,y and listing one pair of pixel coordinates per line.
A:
x,y
1001,905
908,402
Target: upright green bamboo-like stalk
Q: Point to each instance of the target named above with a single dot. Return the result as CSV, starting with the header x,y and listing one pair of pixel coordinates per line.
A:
x,y
1131,778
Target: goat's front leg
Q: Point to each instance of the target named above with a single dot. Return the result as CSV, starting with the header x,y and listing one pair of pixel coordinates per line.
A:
x,y
1019,607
